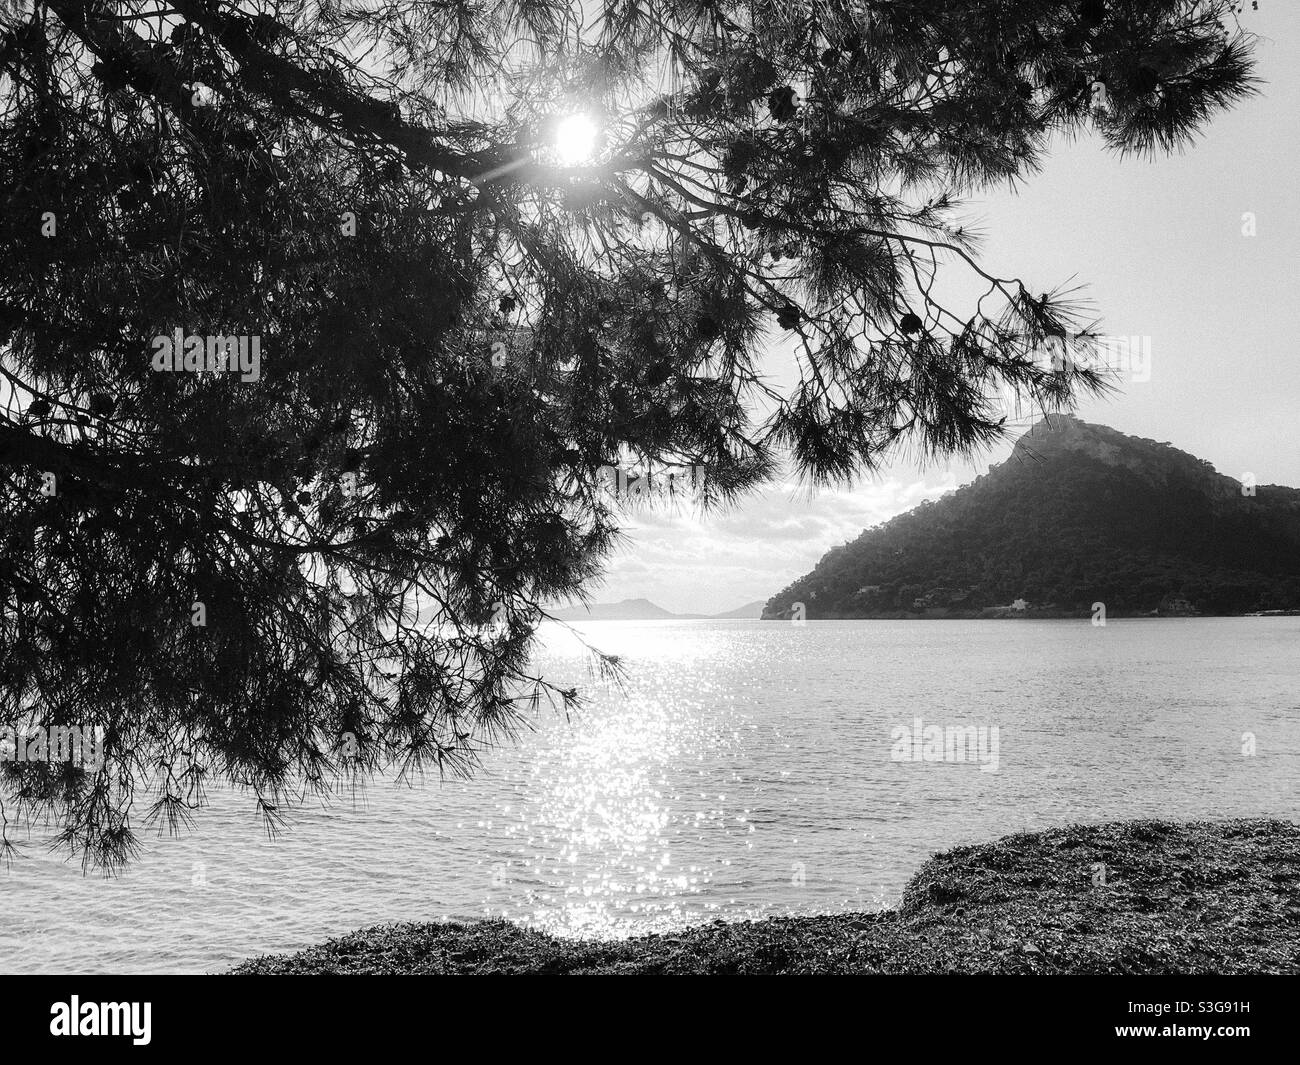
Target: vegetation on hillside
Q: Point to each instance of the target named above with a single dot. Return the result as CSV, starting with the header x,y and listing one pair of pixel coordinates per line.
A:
x,y
1078,515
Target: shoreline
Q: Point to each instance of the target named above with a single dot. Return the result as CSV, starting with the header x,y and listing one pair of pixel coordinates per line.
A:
x,y
1003,614
1154,897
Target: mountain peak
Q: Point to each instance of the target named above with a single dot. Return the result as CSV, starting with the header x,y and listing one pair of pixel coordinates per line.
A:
x,y
1056,429
1056,435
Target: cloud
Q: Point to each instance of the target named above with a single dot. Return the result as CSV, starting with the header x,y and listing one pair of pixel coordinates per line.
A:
x,y
691,562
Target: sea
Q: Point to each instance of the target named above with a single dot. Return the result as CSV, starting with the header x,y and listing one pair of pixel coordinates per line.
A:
x,y
742,769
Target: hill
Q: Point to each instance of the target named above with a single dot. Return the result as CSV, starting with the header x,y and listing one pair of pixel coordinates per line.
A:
x,y
1079,514
644,610
625,610
749,612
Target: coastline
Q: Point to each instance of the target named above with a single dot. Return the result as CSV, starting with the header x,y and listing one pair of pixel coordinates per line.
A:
x,y
1154,897
1032,614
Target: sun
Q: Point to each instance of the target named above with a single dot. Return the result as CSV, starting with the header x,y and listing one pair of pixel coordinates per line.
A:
x,y
575,139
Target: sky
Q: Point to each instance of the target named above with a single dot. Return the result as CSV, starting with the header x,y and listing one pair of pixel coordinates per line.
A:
x,y
1162,250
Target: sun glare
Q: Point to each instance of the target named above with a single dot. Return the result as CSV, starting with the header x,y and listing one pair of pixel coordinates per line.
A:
x,y
575,139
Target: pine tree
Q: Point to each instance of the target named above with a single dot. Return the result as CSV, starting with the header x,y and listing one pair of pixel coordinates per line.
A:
x,y
336,560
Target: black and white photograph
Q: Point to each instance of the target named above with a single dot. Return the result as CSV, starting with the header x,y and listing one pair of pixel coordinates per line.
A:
x,y
649,487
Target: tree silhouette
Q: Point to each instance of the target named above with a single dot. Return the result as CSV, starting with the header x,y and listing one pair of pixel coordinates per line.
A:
x,y
283,570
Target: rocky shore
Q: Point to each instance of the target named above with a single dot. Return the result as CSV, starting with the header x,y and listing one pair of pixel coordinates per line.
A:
x,y
1126,897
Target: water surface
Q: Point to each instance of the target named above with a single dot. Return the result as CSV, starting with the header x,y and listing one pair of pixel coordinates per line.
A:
x,y
745,771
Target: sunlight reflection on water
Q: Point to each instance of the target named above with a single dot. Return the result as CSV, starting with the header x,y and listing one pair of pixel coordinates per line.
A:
x,y
612,790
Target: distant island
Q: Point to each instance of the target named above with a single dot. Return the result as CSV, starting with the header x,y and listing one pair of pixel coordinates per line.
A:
x,y
644,610
1080,514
